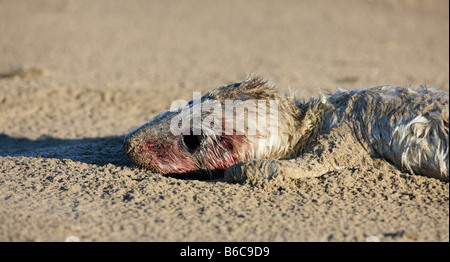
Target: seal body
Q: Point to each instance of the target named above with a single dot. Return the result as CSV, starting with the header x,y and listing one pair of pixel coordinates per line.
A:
x,y
249,129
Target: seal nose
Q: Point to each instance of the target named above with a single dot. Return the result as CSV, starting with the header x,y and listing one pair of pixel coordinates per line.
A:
x,y
127,144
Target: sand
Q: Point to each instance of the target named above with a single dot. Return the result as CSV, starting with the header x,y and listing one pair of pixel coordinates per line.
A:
x,y
76,76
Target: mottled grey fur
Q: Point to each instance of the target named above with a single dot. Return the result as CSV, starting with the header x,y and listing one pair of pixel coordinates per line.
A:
x,y
407,127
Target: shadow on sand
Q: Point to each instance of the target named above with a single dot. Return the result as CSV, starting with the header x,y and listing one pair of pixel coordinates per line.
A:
x,y
98,151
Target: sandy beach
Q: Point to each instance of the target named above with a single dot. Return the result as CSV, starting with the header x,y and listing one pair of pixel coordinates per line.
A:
x,y
77,76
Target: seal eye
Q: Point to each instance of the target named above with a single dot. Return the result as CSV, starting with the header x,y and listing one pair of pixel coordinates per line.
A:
x,y
191,142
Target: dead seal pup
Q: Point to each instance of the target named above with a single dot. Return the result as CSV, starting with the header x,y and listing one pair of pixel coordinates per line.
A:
x,y
249,129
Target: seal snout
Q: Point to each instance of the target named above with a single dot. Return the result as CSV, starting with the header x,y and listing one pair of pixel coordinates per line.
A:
x,y
131,146
127,145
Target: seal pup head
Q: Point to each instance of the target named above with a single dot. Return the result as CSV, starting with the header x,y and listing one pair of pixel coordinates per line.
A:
x,y
230,124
